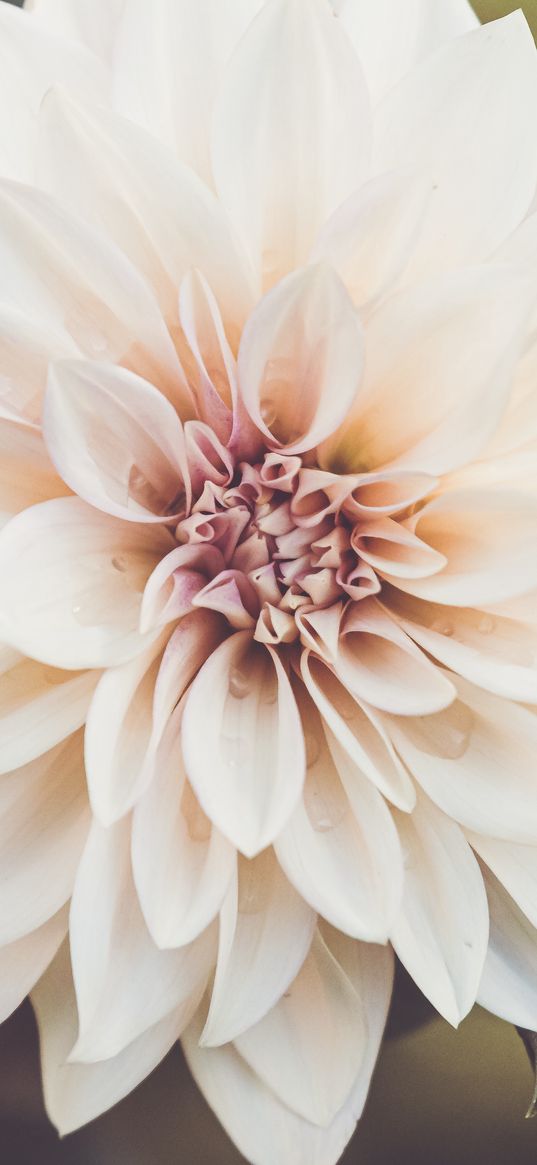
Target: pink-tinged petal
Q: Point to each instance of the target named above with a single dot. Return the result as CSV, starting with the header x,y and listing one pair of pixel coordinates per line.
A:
x,y
176,580
301,359
488,537
44,820
167,69
479,150
118,734
330,847
243,744
476,760
392,36
514,865
71,277
71,581
309,1049
233,595
124,984
370,238
117,177
508,986
359,731
77,1093
39,707
23,962
182,865
94,26
208,459
27,475
191,644
381,665
291,132
492,650
441,932
390,547
440,358
319,630
26,349
116,441
266,930
32,59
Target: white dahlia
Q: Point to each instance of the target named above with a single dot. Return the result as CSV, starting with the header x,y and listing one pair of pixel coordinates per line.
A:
x,y
268,573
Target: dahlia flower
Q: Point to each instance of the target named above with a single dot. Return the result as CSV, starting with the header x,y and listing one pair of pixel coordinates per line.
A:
x,y
268,420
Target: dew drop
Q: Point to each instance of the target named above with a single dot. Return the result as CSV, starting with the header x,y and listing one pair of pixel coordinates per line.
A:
x,y
444,734
442,627
120,563
325,802
239,684
268,411
486,624
234,751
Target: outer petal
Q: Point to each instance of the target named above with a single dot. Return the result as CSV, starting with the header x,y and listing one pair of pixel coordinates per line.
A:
x,y
124,984
330,848
26,348
508,986
71,277
116,176
43,825
168,67
488,537
94,25
265,933
182,865
291,134
116,441
23,962
514,865
39,707
476,760
76,1093
479,150
440,359
392,36
493,651
27,475
301,359
84,610
263,1128
32,58
442,930
245,759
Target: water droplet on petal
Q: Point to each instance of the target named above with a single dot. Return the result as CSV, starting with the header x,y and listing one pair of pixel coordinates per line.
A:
x,y
239,684
442,627
325,800
234,751
444,734
486,624
268,411
120,562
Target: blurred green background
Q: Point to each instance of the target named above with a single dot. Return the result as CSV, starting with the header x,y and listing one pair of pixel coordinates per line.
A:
x,y
439,1097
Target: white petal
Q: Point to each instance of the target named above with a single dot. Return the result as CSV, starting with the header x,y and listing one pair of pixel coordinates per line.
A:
x,y
77,1093
514,865
479,150
440,358
26,348
39,707
118,735
265,934
242,742
442,929
330,848
32,59
116,441
27,475
91,569
71,277
182,865
476,760
116,176
493,651
124,983
359,731
304,338
392,36
488,537
93,25
191,644
291,132
23,962
168,66
310,1047
508,987
44,820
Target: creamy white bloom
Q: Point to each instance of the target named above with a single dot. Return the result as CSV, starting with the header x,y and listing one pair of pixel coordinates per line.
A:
x,y
268,429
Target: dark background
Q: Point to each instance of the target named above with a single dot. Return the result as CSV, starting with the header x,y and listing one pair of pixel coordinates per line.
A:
x,y
439,1097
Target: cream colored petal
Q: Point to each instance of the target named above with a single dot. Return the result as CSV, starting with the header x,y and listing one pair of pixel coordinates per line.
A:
x,y
26,347
39,707
93,25
23,962
508,986
27,475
